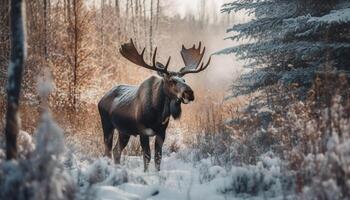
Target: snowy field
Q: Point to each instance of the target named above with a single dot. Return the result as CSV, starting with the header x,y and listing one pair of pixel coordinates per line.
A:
x,y
180,178
69,173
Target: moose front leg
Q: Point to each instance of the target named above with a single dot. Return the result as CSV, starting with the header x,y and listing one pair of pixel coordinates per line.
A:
x,y
158,150
144,140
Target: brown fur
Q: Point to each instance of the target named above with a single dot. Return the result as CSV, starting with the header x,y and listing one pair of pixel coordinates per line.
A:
x,y
141,110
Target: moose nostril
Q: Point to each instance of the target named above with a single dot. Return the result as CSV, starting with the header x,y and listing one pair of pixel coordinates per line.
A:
x,y
189,95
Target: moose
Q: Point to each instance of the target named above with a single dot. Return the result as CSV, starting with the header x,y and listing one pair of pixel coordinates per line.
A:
x,y
145,109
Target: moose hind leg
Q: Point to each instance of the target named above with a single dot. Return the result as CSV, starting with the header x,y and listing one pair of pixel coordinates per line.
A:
x,y
119,147
108,131
144,140
158,151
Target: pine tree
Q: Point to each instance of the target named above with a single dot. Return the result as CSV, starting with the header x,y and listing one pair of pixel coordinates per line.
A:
x,y
291,41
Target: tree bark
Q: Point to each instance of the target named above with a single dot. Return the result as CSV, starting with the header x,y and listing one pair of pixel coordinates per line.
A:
x,y
45,29
126,24
133,18
15,71
69,14
158,13
136,21
145,22
139,18
117,10
76,53
4,39
151,31
102,33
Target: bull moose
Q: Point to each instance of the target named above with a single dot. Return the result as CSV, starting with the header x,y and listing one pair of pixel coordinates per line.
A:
x,y
145,109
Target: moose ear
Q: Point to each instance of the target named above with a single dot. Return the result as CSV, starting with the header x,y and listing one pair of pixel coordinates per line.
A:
x,y
161,66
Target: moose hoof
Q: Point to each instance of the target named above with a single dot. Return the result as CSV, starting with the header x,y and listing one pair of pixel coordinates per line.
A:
x,y
108,154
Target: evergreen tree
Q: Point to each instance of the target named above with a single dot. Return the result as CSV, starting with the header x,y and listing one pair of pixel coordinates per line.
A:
x,y
291,41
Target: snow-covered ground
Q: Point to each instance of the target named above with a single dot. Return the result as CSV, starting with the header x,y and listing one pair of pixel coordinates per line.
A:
x,y
76,175
178,179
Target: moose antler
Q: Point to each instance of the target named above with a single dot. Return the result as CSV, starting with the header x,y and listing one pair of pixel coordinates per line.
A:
x,y
129,51
192,57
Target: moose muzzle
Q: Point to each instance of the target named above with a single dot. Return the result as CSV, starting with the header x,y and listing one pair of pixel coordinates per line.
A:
x,y
187,96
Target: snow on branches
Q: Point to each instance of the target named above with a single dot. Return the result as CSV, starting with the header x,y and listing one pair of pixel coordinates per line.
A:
x,y
285,36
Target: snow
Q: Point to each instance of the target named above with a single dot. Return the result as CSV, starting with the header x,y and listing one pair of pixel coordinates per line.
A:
x,y
338,16
68,174
178,179
25,142
41,171
181,177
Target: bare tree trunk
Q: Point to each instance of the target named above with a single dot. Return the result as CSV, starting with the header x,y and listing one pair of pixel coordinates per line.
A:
x,y
65,10
4,39
69,14
158,12
75,66
139,19
102,33
136,21
151,30
132,17
202,15
49,38
15,69
145,22
45,29
70,34
117,12
126,18
117,8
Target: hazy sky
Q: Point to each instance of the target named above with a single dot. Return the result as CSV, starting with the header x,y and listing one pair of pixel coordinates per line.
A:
x,y
183,6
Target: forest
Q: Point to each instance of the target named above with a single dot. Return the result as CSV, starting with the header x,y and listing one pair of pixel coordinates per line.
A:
x,y
175,99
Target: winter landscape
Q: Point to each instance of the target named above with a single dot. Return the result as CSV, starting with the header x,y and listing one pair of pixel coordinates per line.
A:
x,y
175,99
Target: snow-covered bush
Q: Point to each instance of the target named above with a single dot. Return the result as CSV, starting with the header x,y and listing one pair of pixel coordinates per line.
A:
x,y
265,178
41,175
328,174
87,173
25,144
103,172
310,137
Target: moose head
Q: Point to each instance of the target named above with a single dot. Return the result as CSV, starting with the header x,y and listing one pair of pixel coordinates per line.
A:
x,y
174,83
